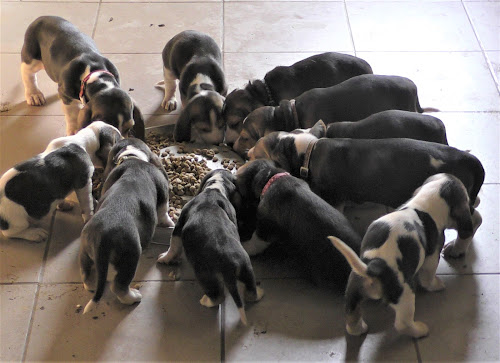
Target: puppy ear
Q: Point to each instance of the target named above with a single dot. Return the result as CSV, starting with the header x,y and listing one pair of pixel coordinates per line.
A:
x,y
84,116
139,128
107,139
156,161
318,130
182,130
357,265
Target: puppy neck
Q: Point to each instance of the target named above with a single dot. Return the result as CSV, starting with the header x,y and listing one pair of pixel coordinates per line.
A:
x,y
217,183
94,82
131,152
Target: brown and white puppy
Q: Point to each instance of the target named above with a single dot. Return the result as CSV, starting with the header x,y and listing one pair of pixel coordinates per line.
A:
x,y
84,76
207,231
351,100
134,199
403,248
384,171
32,189
290,214
287,82
195,59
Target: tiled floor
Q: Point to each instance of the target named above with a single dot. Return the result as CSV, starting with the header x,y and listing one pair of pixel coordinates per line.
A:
x,y
451,49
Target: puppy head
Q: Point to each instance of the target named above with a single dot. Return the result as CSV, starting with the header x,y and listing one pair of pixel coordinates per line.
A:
x,y
220,179
256,125
115,107
253,176
201,119
107,136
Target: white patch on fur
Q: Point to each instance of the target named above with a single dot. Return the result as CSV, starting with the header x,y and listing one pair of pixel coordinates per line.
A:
x,y
133,151
436,163
33,94
255,245
302,142
219,184
198,80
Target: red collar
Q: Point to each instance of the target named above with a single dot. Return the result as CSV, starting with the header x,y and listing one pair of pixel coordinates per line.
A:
x,y
81,95
272,180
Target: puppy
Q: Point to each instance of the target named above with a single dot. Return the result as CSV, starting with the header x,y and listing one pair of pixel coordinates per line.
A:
x,y
195,60
207,231
402,249
134,200
83,75
351,100
391,124
32,189
289,213
287,82
384,171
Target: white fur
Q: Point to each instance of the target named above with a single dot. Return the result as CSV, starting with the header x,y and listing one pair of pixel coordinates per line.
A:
x,y
170,81
302,142
71,116
198,80
436,163
174,251
219,184
255,245
33,94
133,151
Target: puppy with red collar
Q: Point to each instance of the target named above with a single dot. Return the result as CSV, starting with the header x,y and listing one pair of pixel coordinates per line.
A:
x,y
83,75
289,213
384,171
351,100
207,231
32,189
195,59
287,82
403,248
134,200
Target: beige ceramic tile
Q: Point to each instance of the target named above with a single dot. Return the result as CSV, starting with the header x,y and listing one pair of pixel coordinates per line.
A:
x,y
441,78
410,26
300,26
120,30
295,321
168,324
485,19
23,137
484,253
15,313
16,16
463,320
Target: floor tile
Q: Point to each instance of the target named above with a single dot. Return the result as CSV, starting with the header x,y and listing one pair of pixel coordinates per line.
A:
x,y
37,133
494,58
168,324
301,26
296,321
484,253
16,16
410,26
484,17
15,312
440,78
120,30
463,320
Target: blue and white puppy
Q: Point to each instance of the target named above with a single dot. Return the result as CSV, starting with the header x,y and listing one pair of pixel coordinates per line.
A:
x,y
134,199
195,59
207,231
402,249
84,76
33,188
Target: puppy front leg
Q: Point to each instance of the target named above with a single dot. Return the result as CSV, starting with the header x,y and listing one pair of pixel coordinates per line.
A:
x,y
169,103
255,245
33,94
174,251
405,314
86,200
427,273
71,111
460,245
164,219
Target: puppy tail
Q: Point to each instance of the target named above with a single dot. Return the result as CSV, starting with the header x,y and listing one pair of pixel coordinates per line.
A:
x,y
357,265
101,265
232,287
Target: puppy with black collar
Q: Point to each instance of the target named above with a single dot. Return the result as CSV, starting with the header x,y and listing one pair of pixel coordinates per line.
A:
x,y
403,248
289,213
84,77
195,59
134,199
351,100
384,171
287,82
32,189
207,231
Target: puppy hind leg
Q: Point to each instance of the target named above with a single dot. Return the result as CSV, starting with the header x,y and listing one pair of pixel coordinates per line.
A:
x,y
405,314
125,272
169,102
174,251
232,287
458,247
255,245
86,200
253,292
427,273
164,219
33,94
355,325
212,286
88,272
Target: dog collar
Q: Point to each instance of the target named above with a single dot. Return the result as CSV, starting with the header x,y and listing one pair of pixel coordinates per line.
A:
x,y
126,157
270,99
304,169
81,95
295,115
272,180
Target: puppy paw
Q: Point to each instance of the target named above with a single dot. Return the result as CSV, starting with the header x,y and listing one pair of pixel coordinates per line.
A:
x,y
89,286
449,251
131,297
418,330
167,258
209,303
34,234
252,297
35,98
358,329
165,221
65,206
169,104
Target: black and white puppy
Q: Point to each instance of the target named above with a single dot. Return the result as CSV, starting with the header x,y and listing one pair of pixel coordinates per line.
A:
x,y
403,248
391,124
351,100
287,82
207,231
384,171
289,213
33,188
134,199
84,76
195,59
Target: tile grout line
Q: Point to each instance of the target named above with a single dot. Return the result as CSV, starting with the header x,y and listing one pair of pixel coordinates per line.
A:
x,y
488,63
38,285
417,349
94,27
222,322
350,27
